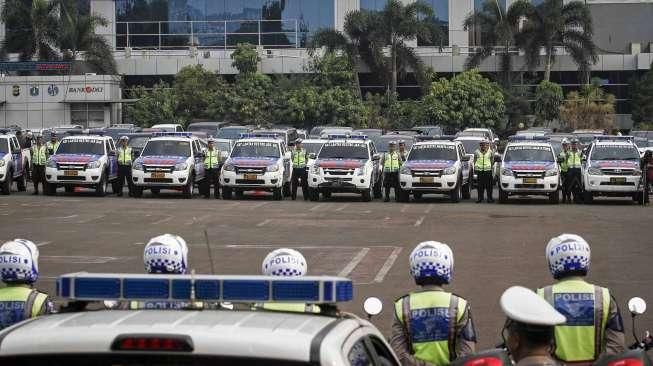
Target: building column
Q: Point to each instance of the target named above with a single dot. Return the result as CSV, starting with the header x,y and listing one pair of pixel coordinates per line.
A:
x,y
458,11
107,9
342,8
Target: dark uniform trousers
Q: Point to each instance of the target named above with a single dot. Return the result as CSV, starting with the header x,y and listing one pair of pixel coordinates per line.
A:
x,y
38,176
573,183
390,180
297,174
484,184
212,178
565,192
124,172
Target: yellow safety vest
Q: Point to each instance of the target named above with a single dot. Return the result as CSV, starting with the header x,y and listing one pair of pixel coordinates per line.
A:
x,y
483,161
392,162
52,146
562,159
299,158
573,159
125,156
39,155
18,303
211,159
586,308
430,318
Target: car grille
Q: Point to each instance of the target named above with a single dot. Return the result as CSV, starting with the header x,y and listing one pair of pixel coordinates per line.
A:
x,y
247,181
427,185
529,186
157,180
529,174
332,179
617,171
73,177
427,173
71,166
250,170
158,168
618,183
334,171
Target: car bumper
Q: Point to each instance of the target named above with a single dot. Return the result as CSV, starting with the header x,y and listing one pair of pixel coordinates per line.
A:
x,y
82,177
443,183
345,183
174,179
265,180
614,184
544,185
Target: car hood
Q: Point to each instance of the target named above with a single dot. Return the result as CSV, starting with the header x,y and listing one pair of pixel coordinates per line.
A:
x,y
611,164
429,164
252,161
75,158
340,163
161,160
528,165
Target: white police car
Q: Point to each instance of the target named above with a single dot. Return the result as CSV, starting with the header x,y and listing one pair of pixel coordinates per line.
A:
x,y
529,167
612,169
82,161
346,164
198,337
257,162
435,167
312,147
13,163
169,160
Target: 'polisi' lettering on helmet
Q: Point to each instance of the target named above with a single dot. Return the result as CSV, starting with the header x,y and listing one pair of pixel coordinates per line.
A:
x,y
430,252
570,246
286,259
9,259
158,250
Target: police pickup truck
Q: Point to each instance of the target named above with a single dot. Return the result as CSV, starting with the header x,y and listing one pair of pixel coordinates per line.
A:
x,y
529,167
257,162
346,164
190,336
435,167
87,161
170,160
13,163
612,168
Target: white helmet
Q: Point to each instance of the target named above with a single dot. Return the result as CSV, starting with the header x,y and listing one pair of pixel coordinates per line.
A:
x,y
284,262
166,253
567,253
565,141
432,259
19,261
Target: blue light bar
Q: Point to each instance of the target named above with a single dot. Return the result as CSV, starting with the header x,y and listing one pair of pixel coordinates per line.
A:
x,y
358,137
83,286
172,134
614,138
528,138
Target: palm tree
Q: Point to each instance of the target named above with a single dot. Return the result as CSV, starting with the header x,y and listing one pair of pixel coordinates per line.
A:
x,y
33,29
554,24
79,39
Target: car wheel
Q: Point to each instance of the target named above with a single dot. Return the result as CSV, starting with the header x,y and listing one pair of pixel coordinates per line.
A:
x,y
554,197
418,195
189,189
503,196
20,183
326,195
226,193
155,191
313,194
102,186
69,189
49,189
403,195
137,192
454,194
239,194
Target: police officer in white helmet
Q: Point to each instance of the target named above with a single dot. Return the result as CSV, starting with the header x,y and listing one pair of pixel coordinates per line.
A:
x,y
432,326
286,262
19,270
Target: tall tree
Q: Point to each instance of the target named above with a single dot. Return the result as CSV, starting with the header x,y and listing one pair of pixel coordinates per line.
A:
x,y
554,24
642,98
589,108
32,29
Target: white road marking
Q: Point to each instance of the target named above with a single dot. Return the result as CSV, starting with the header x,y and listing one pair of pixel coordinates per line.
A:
x,y
65,217
342,207
165,219
314,208
93,218
387,265
196,220
80,259
259,205
353,263
419,221
232,205
404,208
43,243
263,223
139,243
429,208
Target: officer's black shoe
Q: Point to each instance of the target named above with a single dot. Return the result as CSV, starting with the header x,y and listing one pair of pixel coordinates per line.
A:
x,y
119,194
35,193
294,198
207,196
479,201
387,199
490,201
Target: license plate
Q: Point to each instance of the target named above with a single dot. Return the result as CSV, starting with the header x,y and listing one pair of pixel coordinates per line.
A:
x,y
426,180
618,180
158,175
530,180
70,173
251,177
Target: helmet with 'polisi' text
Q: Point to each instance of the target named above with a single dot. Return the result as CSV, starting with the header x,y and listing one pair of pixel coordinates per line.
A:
x,y
284,262
432,259
19,261
568,253
166,253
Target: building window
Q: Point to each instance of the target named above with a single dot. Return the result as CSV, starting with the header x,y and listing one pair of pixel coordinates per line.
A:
x,y
441,18
88,115
372,4
476,37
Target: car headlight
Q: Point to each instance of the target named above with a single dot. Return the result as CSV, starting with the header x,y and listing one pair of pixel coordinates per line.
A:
x,y
361,171
594,171
93,164
449,171
51,163
551,172
273,168
137,166
2,163
405,170
181,166
229,167
506,172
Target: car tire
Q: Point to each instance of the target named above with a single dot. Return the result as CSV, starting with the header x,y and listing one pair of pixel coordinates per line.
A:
x,y
155,191
366,195
313,194
69,189
277,194
467,190
49,189
20,183
286,190
189,188
503,196
588,197
326,194
554,197
378,189
226,193
137,192
101,186
5,187
403,195
455,193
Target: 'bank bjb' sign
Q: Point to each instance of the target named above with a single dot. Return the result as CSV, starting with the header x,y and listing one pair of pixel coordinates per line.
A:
x,y
88,89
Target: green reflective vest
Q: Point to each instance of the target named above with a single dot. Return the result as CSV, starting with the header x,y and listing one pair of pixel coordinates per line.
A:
x,y
211,159
299,158
573,159
430,319
392,162
586,308
483,161
52,147
562,159
39,155
125,156
18,303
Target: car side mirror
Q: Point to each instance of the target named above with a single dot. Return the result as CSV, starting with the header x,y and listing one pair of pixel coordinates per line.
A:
x,y
312,156
376,157
112,153
465,158
287,155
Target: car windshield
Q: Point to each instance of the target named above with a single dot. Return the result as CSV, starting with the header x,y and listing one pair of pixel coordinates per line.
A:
x,y
256,149
312,147
207,129
4,146
231,133
223,146
556,145
433,152
164,128
528,153
610,152
138,142
470,145
79,146
343,150
167,148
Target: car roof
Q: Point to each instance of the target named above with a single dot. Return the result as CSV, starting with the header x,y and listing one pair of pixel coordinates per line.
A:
x,y
470,137
314,141
353,141
166,125
614,143
174,138
529,143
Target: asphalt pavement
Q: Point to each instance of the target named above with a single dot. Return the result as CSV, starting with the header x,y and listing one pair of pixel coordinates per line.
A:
x,y
495,246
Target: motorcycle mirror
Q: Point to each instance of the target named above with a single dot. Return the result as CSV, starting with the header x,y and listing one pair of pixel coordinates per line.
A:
x,y
637,306
372,306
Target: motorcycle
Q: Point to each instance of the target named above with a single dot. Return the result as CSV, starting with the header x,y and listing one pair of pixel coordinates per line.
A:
x,y
636,355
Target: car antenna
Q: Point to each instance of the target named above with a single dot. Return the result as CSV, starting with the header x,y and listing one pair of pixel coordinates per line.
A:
x,y
208,249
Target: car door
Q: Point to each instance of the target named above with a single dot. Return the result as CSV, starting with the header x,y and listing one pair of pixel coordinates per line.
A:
x,y
287,163
112,159
199,160
463,164
16,156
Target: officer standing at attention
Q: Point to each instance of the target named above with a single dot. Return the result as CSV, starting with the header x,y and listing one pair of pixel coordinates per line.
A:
x,y
562,160
432,326
53,144
594,324
483,167
286,262
299,171
573,171
647,159
19,270
124,165
529,327
211,164
391,165
39,158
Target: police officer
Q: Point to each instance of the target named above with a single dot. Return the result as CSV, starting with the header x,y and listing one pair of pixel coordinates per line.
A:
x,y
39,159
483,167
124,165
562,160
529,330
594,323
647,159
299,158
391,166
573,171
19,270
53,144
286,262
403,153
211,167
432,326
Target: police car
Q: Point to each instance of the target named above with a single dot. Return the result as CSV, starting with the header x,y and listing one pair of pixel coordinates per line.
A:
x,y
13,163
312,147
82,161
198,337
612,169
169,160
529,167
435,167
346,164
257,162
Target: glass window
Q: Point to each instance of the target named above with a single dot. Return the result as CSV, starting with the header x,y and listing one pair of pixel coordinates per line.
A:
x,y
167,148
81,146
87,115
372,4
433,152
4,146
528,153
256,149
607,152
382,352
344,151
440,18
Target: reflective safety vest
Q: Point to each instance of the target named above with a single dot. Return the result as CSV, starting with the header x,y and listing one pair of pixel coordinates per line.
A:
x,y
430,318
211,159
125,156
18,303
289,307
299,158
39,155
562,159
573,159
52,147
586,308
392,162
483,161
